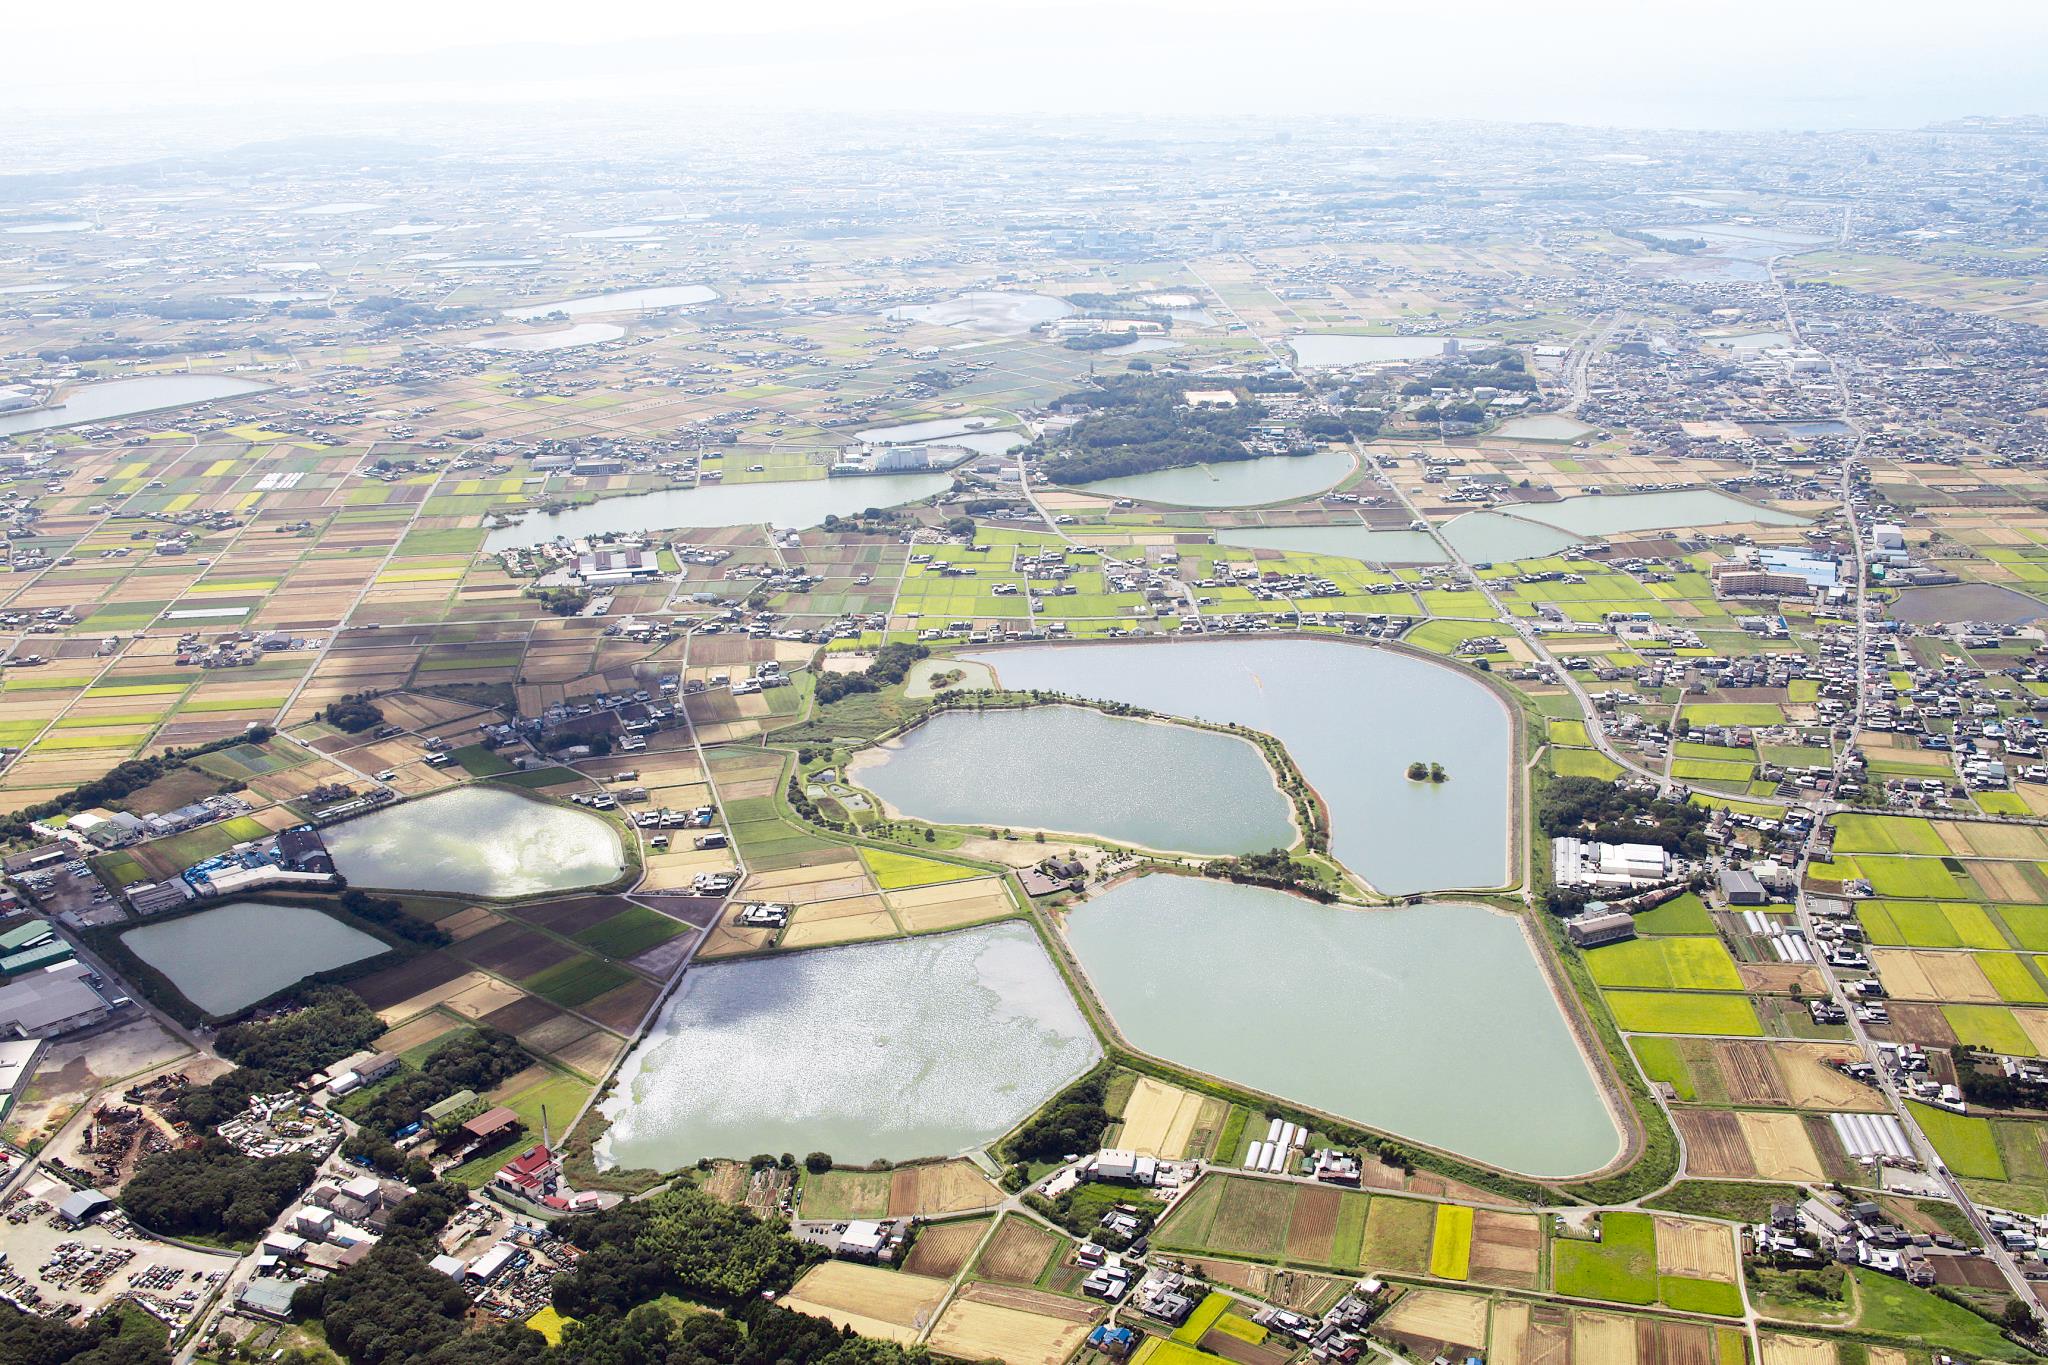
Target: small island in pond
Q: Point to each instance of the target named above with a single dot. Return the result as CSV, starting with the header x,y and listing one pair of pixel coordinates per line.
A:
x,y
1427,772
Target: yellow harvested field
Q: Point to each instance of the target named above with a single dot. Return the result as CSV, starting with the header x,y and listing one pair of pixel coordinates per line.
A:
x,y
485,996
1159,1118
1798,1351
1914,974
926,908
985,1331
426,1000
940,1187
2005,881
858,917
1510,1333
1812,1084
1704,1251
1438,1316
872,1301
2035,1022
1779,1147
1604,1337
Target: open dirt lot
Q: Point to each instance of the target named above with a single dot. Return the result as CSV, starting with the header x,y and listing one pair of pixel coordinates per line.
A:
x,y
872,1301
1809,1083
972,1330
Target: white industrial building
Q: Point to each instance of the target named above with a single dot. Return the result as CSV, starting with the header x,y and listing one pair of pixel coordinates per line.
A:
x,y
1582,862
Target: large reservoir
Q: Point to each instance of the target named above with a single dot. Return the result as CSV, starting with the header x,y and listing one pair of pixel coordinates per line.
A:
x,y
796,505
236,954
113,398
478,841
1353,719
917,1047
1076,771
1432,1023
1233,483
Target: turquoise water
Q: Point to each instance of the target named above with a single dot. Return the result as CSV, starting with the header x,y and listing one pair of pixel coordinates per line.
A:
x,y
1433,1023
1074,770
1353,718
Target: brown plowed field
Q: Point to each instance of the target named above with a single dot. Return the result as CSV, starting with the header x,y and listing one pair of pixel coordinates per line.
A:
x,y
1506,1249
1031,1301
1746,1069
943,1248
1018,1252
1314,1225
1675,1343
1713,1143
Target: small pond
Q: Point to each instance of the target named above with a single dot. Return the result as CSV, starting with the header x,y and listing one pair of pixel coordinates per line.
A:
x,y
582,334
236,954
624,301
481,841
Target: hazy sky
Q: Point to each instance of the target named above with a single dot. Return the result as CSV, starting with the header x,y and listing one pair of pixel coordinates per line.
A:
x,y
1735,63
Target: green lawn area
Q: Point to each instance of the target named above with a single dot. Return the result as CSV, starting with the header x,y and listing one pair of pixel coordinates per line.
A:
x,y
1684,1012
1398,1233
1929,924
1966,1143
478,761
631,931
846,1194
1583,763
894,871
1886,834
1621,1267
1685,964
1689,1295
1687,914
1894,1308
1663,1059
1988,1026
1734,713
1910,878
577,981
